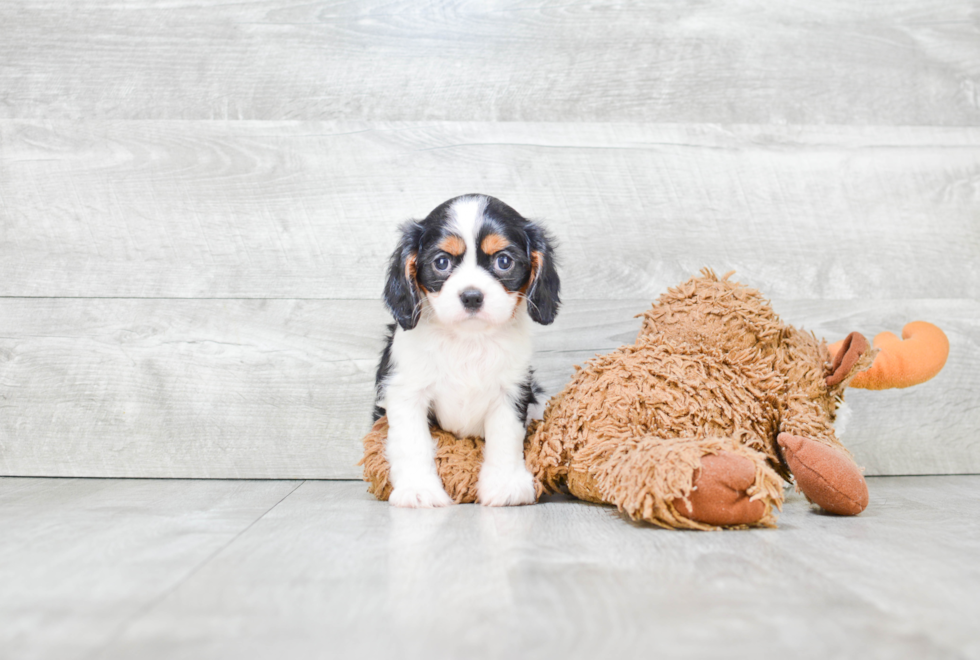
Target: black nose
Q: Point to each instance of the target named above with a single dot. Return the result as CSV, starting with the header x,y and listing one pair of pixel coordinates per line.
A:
x,y
472,299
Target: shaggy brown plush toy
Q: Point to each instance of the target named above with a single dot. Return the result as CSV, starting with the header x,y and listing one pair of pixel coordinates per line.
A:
x,y
698,423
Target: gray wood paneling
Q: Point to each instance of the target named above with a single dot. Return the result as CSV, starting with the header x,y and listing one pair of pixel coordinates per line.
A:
x,y
309,210
80,559
197,202
283,388
331,572
893,63
186,388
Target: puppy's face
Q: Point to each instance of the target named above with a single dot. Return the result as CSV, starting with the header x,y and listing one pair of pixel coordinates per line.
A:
x,y
472,261
475,267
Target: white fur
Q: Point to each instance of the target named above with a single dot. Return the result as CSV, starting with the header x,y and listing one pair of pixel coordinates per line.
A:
x,y
535,411
468,368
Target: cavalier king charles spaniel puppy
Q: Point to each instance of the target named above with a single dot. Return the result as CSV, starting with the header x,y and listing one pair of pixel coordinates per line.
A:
x,y
464,285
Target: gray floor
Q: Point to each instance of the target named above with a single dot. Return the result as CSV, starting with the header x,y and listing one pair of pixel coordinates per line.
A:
x,y
201,569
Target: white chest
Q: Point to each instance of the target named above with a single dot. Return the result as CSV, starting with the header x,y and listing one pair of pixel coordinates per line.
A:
x,y
469,387
463,377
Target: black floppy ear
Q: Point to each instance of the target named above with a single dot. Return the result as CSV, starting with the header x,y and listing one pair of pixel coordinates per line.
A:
x,y
402,295
543,294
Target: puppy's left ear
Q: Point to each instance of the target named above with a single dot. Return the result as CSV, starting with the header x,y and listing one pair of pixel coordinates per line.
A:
x,y
543,297
402,294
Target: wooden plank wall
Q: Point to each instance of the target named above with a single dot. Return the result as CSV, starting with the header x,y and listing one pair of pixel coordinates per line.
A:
x,y
196,203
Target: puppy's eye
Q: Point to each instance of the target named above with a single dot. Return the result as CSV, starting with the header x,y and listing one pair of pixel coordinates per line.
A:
x,y
441,263
503,262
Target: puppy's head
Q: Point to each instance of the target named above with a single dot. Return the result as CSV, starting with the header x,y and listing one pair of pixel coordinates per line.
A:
x,y
472,261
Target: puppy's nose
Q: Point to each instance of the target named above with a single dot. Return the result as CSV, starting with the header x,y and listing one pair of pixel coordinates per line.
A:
x,y
472,299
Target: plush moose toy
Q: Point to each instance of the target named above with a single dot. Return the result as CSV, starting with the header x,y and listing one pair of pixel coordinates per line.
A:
x,y
698,423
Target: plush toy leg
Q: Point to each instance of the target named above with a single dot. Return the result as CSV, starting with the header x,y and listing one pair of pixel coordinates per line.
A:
x,y
719,495
826,475
679,482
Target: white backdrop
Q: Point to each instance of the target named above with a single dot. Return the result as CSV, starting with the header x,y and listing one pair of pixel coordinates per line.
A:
x,y
196,204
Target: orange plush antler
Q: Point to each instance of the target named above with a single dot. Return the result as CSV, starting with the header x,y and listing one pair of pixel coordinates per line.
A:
x,y
915,360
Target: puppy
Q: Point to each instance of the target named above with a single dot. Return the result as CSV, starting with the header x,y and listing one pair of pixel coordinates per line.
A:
x,y
464,285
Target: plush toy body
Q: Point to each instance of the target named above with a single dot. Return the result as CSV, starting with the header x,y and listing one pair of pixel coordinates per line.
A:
x,y
698,423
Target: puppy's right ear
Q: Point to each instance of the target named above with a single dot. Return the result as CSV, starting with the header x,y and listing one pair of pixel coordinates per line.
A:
x,y
402,294
543,297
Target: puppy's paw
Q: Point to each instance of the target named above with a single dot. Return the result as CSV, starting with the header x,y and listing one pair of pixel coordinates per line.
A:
x,y
421,492
505,487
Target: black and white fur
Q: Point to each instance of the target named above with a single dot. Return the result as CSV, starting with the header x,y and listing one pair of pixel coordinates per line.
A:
x,y
464,286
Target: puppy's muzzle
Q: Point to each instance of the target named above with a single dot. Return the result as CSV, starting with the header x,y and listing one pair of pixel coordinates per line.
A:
x,y
472,299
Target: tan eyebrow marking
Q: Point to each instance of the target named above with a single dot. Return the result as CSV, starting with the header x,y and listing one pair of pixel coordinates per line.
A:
x,y
494,243
453,245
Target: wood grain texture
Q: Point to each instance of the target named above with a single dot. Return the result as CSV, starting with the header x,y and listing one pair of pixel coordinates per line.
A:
x,y
330,572
82,558
197,202
284,388
897,63
187,388
310,210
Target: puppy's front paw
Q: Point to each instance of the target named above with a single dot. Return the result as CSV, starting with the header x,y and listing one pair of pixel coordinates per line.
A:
x,y
423,492
500,487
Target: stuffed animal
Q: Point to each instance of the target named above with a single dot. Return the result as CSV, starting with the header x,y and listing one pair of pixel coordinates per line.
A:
x,y
698,423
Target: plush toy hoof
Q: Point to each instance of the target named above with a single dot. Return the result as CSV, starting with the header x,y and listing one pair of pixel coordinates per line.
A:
x,y
719,496
828,477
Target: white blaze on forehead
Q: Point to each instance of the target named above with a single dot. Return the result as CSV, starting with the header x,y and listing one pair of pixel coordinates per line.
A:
x,y
467,216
